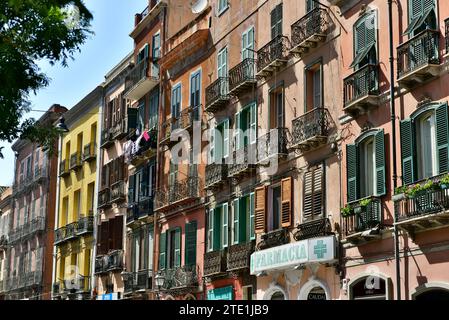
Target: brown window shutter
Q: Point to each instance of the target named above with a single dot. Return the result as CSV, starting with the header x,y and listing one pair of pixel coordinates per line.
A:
x,y
313,193
318,191
307,212
104,238
121,168
111,229
111,173
286,198
117,235
118,110
260,220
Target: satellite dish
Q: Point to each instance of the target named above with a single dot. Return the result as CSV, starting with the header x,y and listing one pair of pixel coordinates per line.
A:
x,y
198,6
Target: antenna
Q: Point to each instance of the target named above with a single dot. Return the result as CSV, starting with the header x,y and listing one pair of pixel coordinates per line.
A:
x,y
198,6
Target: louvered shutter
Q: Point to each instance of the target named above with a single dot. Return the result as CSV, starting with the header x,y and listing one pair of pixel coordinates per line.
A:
x,y
225,222
351,171
313,193
380,163
104,237
442,133
252,235
190,246
163,251
286,199
235,223
226,139
118,233
217,227
212,146
110,235
210,231
260,219
177,247
276,21
407,151
253,123
242,219
131,186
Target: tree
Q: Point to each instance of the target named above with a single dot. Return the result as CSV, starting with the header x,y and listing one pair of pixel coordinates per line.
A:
x,y
32,30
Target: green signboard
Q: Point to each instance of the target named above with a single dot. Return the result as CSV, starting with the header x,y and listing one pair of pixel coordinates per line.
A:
x,y
225,293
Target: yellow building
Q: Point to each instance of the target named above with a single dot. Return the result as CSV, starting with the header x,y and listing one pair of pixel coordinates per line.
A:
x,y
76,205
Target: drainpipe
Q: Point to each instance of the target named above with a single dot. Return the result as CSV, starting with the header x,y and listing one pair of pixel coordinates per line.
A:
x,y
393,151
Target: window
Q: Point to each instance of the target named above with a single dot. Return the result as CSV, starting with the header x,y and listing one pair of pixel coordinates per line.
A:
x,y
156,53
79,143
365,41
276,21
276,117
310,5
273,206
424,143
190,241
313,199
170,249
154,105
195,95
421,15
28,166
176,105
245,126
36,161
222,66
150,247
365,166
314,90
219,145
77,205
243,219
141,116
217,236
222,6
248,44
143,54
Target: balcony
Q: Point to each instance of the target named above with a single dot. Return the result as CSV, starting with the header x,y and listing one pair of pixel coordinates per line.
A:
x,y
309,31
311,130
427,210
361,90
181,280
85,225
145,150
181,193
120,129
82,284
242,77
273,239
106,138
118,192
273,56
37,225
115,261
216,175
364,220
104,198
65,233
128,282
101,264
89,153
217,94
239,256
142,280
215,263
64,168
146,16
419,59
313,229
244,162
141,79
273,144
75,161
40,174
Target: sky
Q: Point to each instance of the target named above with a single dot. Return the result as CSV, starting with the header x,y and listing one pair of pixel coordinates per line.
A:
x,y
112,23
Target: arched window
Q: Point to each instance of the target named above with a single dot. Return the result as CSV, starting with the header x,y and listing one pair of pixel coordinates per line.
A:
x,y
368,288
278,295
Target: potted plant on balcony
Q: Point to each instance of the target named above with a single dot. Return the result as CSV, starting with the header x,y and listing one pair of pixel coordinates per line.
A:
x,y
400,193
347,211
444,182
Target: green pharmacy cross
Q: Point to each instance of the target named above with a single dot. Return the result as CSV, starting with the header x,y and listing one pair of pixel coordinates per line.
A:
x,y
320,249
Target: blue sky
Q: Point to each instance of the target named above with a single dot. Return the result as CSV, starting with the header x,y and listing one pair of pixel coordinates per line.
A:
x,y
113,21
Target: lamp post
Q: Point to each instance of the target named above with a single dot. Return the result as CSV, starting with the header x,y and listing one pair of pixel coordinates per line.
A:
x,y
159,280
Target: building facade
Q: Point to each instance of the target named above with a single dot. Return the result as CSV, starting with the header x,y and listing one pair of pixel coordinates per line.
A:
x,y
5,218
77,200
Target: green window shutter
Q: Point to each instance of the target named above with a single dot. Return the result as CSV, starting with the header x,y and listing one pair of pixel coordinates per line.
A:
x,y
212,145
177,247
351,171
407,151
244,44
379,141
162,251
276,21
225,218
365,37
252,234
237,135
210,231
131,182
253,123
310,5
243,219
226,138
442,137
190,246
217,227
235,223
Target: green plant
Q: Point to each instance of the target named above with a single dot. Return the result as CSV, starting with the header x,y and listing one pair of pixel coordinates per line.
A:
x,y
402,189
428,185
346,211
365,202
445,180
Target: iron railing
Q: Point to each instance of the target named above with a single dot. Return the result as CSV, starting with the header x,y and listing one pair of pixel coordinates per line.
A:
x,y
316,22
106,138
104,198
89,151
420,50
313,124
313,229
217,93
117,192
425,202
446,22
363,218
181,277
143,280
40,173
214,263
186,189
115,260
242,76
85,225
239,256
141,71
120,129
75,160
64,168
101,263
274,143
65,233
363,82
216,174
244,159
276,49
273,239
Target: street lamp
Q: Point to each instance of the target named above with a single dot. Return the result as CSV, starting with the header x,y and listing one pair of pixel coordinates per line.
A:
x,y
62,126
159,280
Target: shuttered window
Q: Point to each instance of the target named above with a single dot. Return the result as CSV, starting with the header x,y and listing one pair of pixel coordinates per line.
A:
x,y
286,213
222,6
357,178
365,39
419,146
421,14
248,45
310,5
190,243
163,251
276,21
313,199
177,247
260,210
210,231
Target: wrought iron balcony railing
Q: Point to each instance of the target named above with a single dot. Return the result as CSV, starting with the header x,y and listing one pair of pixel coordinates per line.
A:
x,y
65,233
118,192
104,198
75,161
143,280
273,239
217,94
272,56
141,79
363,217
115,260
180,278
128,282
183,191
311,29
101,264
64,168
446,27
215,263
273,144
419,53
242,77
120,129
239,256
244,160
361,88
216,174
85,225
311,129
83,283
40,173
313,229
89,152
106,138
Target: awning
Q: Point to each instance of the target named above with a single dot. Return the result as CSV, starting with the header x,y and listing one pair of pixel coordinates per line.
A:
x,y
362,54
